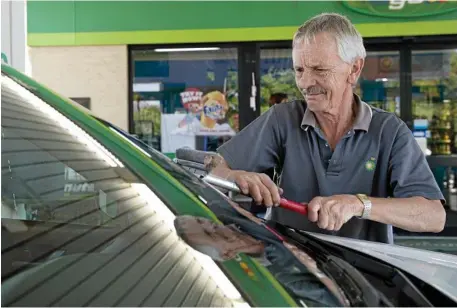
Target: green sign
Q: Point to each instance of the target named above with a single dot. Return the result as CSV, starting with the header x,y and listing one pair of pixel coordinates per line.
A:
x,y
402,8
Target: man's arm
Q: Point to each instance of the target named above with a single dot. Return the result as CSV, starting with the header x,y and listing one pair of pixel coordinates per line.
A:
x,y
414,214
258,185
416,205
244,157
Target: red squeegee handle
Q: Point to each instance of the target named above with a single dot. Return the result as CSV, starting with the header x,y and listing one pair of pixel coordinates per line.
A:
x,y
294,206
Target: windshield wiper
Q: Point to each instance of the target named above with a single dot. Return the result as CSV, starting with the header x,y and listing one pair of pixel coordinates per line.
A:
x,y
371,275
358,290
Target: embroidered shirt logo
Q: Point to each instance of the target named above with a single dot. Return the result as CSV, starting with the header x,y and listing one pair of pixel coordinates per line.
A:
x,y
370,165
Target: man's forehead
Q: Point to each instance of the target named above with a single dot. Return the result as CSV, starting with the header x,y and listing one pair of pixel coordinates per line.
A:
x,y
315,57
316,49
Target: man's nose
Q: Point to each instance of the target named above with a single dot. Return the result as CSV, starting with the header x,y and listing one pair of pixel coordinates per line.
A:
x,y
306,80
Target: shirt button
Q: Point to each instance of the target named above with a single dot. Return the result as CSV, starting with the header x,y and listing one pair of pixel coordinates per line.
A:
x,y
326,145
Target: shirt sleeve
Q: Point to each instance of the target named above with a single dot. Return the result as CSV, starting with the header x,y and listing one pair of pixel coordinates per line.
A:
x,y
410,173
256,148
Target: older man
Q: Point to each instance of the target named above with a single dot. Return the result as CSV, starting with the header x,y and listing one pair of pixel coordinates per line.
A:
x,y
359,167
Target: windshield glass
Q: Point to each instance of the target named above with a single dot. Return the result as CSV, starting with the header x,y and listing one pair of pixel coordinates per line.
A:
x,y
79,228
74,216
242,232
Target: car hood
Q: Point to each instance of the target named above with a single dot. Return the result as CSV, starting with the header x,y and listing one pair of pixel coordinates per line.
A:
x,y
437,269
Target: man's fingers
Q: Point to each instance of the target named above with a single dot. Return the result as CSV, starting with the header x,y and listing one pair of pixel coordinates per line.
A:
x,y
255,193
266,195
323,219
313,209
272,188
338,225
262,182
242,184
341,221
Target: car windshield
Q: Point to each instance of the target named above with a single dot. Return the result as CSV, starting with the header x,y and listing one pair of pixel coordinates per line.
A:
x,y
296,270
80,228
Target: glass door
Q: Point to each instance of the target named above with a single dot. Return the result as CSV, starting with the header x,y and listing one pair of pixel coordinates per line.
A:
x,y
379,83
434,96
277,77
185,96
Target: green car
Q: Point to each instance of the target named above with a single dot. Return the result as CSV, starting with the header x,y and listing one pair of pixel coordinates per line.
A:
x,y
93,217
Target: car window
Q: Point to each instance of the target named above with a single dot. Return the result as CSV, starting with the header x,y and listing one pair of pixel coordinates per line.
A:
x,y
242,232
78,228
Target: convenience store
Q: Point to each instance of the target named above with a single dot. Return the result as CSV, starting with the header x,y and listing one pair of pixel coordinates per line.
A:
x,y
149,53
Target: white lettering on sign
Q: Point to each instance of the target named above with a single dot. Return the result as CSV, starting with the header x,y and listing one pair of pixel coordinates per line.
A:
x,y
191,96
214,109
85,187
400,4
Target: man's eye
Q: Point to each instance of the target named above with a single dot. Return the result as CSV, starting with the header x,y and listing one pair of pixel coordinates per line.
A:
x,y
299,70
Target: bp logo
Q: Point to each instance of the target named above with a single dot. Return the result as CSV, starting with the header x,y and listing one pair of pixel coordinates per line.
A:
x,y
401,8
370,165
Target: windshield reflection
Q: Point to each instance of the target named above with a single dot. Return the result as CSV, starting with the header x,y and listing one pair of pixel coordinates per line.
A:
x,y
241,232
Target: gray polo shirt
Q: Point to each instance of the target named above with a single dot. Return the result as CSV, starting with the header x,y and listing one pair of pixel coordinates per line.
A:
x,y
378,157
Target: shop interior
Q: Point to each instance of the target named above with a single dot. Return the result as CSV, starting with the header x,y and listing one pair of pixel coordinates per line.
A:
x,y
415,77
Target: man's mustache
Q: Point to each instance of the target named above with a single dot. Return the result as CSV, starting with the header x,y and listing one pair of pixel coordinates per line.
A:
x,y
313,90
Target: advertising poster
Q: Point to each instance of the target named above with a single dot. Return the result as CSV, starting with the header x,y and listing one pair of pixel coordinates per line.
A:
x,y
207,114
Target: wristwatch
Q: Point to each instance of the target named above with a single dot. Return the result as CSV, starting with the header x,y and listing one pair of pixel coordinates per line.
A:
x,y
367,206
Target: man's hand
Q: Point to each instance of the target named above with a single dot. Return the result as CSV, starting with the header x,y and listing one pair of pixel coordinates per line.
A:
x,y
331,213
258,185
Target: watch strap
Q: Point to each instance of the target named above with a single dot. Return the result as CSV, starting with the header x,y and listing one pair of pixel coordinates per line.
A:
x,y
366,206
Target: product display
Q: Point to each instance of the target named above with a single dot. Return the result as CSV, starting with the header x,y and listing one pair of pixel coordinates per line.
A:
x,y
206,114
215,107
442,133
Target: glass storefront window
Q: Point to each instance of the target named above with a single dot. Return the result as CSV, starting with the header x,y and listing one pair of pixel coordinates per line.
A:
x,y
434,97
185,97
277,77
379,83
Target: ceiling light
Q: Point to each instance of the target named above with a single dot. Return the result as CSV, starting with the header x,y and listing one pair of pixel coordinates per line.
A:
x,y
147,87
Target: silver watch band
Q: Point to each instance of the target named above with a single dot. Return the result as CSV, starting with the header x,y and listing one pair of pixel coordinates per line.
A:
x,y
367,206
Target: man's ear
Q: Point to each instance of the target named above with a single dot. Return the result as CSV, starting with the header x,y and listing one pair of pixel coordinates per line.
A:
x,y
356,70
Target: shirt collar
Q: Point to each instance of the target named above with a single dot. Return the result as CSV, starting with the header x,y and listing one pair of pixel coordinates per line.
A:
x,y
362,120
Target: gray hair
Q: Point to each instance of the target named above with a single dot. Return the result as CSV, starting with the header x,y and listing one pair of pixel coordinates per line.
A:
x,y
348,39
